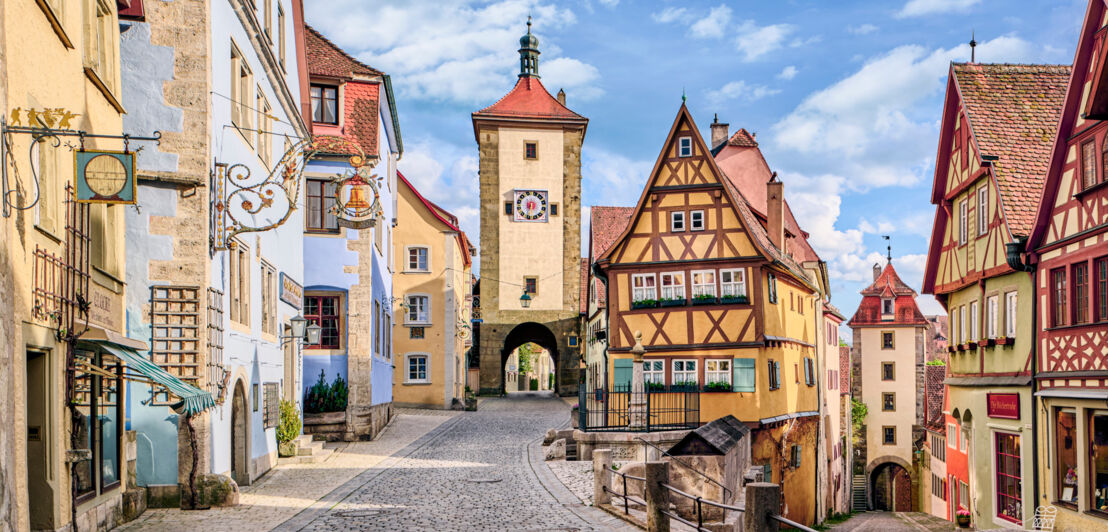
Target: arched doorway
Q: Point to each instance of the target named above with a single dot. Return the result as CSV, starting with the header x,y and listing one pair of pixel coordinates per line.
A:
x,y
891,486
240,444
529,333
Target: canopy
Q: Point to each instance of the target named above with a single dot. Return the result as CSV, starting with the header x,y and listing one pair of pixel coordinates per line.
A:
x,y
193,399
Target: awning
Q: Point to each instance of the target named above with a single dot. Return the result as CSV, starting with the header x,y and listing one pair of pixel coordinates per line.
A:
x,y
193,399
1072,393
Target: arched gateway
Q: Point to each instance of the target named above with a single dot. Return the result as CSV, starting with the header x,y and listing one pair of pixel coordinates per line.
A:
x,y
530,174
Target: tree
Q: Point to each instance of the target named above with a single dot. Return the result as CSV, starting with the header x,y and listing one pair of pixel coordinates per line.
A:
x,y
527,353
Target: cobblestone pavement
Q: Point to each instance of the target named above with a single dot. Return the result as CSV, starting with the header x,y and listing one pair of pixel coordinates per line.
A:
x,y
482,472
288,489
890,521
577,477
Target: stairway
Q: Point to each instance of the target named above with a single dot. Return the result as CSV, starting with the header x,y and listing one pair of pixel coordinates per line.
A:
x,y
571,450
858,493
308,451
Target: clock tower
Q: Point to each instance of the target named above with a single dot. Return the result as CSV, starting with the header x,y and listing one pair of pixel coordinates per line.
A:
x,y
530,170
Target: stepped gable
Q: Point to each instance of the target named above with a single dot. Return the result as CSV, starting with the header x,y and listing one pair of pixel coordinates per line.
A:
x,y
888,284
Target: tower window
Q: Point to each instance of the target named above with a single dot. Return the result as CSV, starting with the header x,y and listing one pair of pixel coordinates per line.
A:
x,y
531,285
553,209
508,208
684,147
887,340
530,150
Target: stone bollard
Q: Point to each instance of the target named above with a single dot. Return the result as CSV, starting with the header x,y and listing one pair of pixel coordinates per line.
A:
x,y
762,500
601,471
657,497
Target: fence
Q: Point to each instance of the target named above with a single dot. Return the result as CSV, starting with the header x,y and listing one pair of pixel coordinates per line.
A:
x,y
606,409
761,512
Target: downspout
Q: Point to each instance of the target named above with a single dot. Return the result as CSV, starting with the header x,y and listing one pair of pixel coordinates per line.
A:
x,y
602,275
1013,252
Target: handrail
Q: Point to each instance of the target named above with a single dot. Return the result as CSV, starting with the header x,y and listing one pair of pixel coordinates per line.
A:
x,y
705,501
794,524
726,492
626,498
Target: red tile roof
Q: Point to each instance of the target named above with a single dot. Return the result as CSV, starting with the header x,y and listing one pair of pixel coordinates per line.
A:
x,y
528,99
584,286
327,59
742,138
933,396
605,226
888,284
449,220
1013,111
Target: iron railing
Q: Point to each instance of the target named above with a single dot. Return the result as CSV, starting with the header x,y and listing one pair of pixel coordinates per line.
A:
x,y
610,409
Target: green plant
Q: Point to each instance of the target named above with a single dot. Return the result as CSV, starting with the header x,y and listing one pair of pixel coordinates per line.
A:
x,y
704,297
336,400
551,381
534,384
655,386
717,387
288,426
316,398
858,412
685,385
936,362
644,303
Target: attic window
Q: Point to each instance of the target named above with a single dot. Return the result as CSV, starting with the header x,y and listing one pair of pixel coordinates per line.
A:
x,y
325,104
887,308
684,147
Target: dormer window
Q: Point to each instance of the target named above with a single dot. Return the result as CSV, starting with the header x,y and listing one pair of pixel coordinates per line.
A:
x,y
325,104
684,147
887,308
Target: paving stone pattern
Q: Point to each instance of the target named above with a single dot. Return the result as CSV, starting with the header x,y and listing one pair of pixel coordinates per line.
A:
x,y
894,521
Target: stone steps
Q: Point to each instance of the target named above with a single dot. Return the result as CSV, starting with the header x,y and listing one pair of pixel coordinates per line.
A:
x,y
308,451
858,493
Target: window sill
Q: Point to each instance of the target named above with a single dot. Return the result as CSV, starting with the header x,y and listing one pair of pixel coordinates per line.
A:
x,y
417,383
103,88
1100,514
416,271
417,324
323,232
48,234
1080,194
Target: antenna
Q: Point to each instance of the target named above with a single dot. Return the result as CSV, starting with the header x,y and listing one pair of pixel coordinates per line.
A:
x,y
972,47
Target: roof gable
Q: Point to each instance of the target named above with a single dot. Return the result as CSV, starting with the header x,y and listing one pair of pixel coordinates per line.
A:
x,y
528,99
327,59
888,285
448,221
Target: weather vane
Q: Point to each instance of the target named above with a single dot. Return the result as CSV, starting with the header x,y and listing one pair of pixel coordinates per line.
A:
x,y
889,248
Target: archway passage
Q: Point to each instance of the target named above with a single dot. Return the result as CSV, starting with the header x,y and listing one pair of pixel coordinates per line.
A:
x,y
529,368
528,334
892,488
240,446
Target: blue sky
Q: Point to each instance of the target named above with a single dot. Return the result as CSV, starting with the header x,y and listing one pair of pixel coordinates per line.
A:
x,y
845,96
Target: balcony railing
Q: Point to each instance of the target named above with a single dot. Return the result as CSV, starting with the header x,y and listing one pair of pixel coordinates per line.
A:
x,y
609,409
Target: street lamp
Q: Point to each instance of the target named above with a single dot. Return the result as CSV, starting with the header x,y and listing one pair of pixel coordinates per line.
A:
x,y
525,300
313,334
298,324
309,334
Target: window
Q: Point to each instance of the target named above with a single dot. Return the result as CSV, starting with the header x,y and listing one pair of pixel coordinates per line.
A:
x,y
1098,462
531,285
378,320
320,200
254,399
102,46
982,210
419,309
888,435
732,283
973,320
269,299
704,284
98,396
938,447
265,126
673,286
887,338
794,456
1080,293
242,85
774,375
938,487
388,335
270,396
809,371
531,150
46,210
717,371
887,308
415,333
654,371
281,37
643,287
508,208
745,377
1100,270
771,282
888,402
991,307
418,259
325,104
1065,452
417,368
1010,314
962,322
963,237
324,311
239,280
684,147
963,494
553,209
677,221
696,220
888,371
1008,483
1088,163
684,373
952,435
1058,296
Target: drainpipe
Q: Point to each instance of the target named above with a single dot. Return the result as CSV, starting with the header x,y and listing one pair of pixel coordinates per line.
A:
x,y
1013,254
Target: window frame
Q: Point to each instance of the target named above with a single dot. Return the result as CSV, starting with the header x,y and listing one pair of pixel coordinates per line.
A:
x,y
684,146
96,437
740,284
242,86
426,309
975,321
409,358
531,150
531,285
1059,477
891,371
1090,437
1011,310
653,288
999,473
693,224
983,211
1100,289
426,259
677,221
281,54
238,279
712,376
322,99
888,401
673,286
1058,296
698,288
1079,277
318,318
892,340
963,219
992,310
885,434
774,374
695,372
323,201
269,298
771,287
653,369
1087,156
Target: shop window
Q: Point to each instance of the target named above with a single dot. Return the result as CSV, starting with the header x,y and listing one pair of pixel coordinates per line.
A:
x,y
97,396
1098,461
325,311
320,198
1065,452
1009,489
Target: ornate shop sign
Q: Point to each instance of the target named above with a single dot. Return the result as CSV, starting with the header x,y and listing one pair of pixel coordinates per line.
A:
x,y
357,200
104,177
291,291
1003,405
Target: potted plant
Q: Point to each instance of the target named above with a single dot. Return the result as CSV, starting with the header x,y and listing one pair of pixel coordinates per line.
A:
x,y
705,299
963,517
471,400
717,387
684,386
288,429
672,302
655,386
644,303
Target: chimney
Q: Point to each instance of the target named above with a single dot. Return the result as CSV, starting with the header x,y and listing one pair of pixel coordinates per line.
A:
x,y
775,204
562,96
876,271
719,132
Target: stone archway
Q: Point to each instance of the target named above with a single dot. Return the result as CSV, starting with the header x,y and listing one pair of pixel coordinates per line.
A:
x,y
530,332
240,441
890,484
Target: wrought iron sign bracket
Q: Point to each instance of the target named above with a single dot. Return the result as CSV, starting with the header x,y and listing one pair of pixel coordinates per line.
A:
x,y
45,134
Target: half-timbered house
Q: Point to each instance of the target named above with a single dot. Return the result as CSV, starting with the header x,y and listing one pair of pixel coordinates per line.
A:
x,y
1069,250
722,307
994,144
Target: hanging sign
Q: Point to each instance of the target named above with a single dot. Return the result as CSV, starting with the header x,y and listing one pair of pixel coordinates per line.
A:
x,y
104,177
357,199
1003,405
291,292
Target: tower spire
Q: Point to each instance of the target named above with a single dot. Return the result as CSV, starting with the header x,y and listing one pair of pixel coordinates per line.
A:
x,y
972,47
528,53
889,248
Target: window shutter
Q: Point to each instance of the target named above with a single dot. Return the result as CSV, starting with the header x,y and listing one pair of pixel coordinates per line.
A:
x,y
743,375
621,377
796,456
767,473
776,374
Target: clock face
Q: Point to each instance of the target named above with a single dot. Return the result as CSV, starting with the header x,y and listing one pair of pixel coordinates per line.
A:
x,y
530,205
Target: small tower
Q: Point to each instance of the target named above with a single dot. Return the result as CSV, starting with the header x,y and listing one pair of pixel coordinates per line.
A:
x,y
529,54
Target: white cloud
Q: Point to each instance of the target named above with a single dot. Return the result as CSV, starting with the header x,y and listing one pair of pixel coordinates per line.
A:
x,y
576,77
864,29
755,41
454,186
670,14
740,90
609,3
788,73
915,8
615,179
465,53
713,25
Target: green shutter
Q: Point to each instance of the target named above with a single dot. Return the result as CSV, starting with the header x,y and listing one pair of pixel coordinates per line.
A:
x,y
767,473
621,377
743,374
776,374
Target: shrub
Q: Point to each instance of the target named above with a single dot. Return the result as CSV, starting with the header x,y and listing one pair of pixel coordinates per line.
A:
x,y
534,384
288,427
936,362
654,386
336,400
323,397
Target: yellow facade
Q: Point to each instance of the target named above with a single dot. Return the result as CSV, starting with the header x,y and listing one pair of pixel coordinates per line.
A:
x,y
430,363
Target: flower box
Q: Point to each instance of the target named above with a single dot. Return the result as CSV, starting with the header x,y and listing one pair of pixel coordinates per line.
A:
x,y
717,387
990,342
672,302
1005,340
705,301
962,347
734,300
644,303
972,345
950,348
